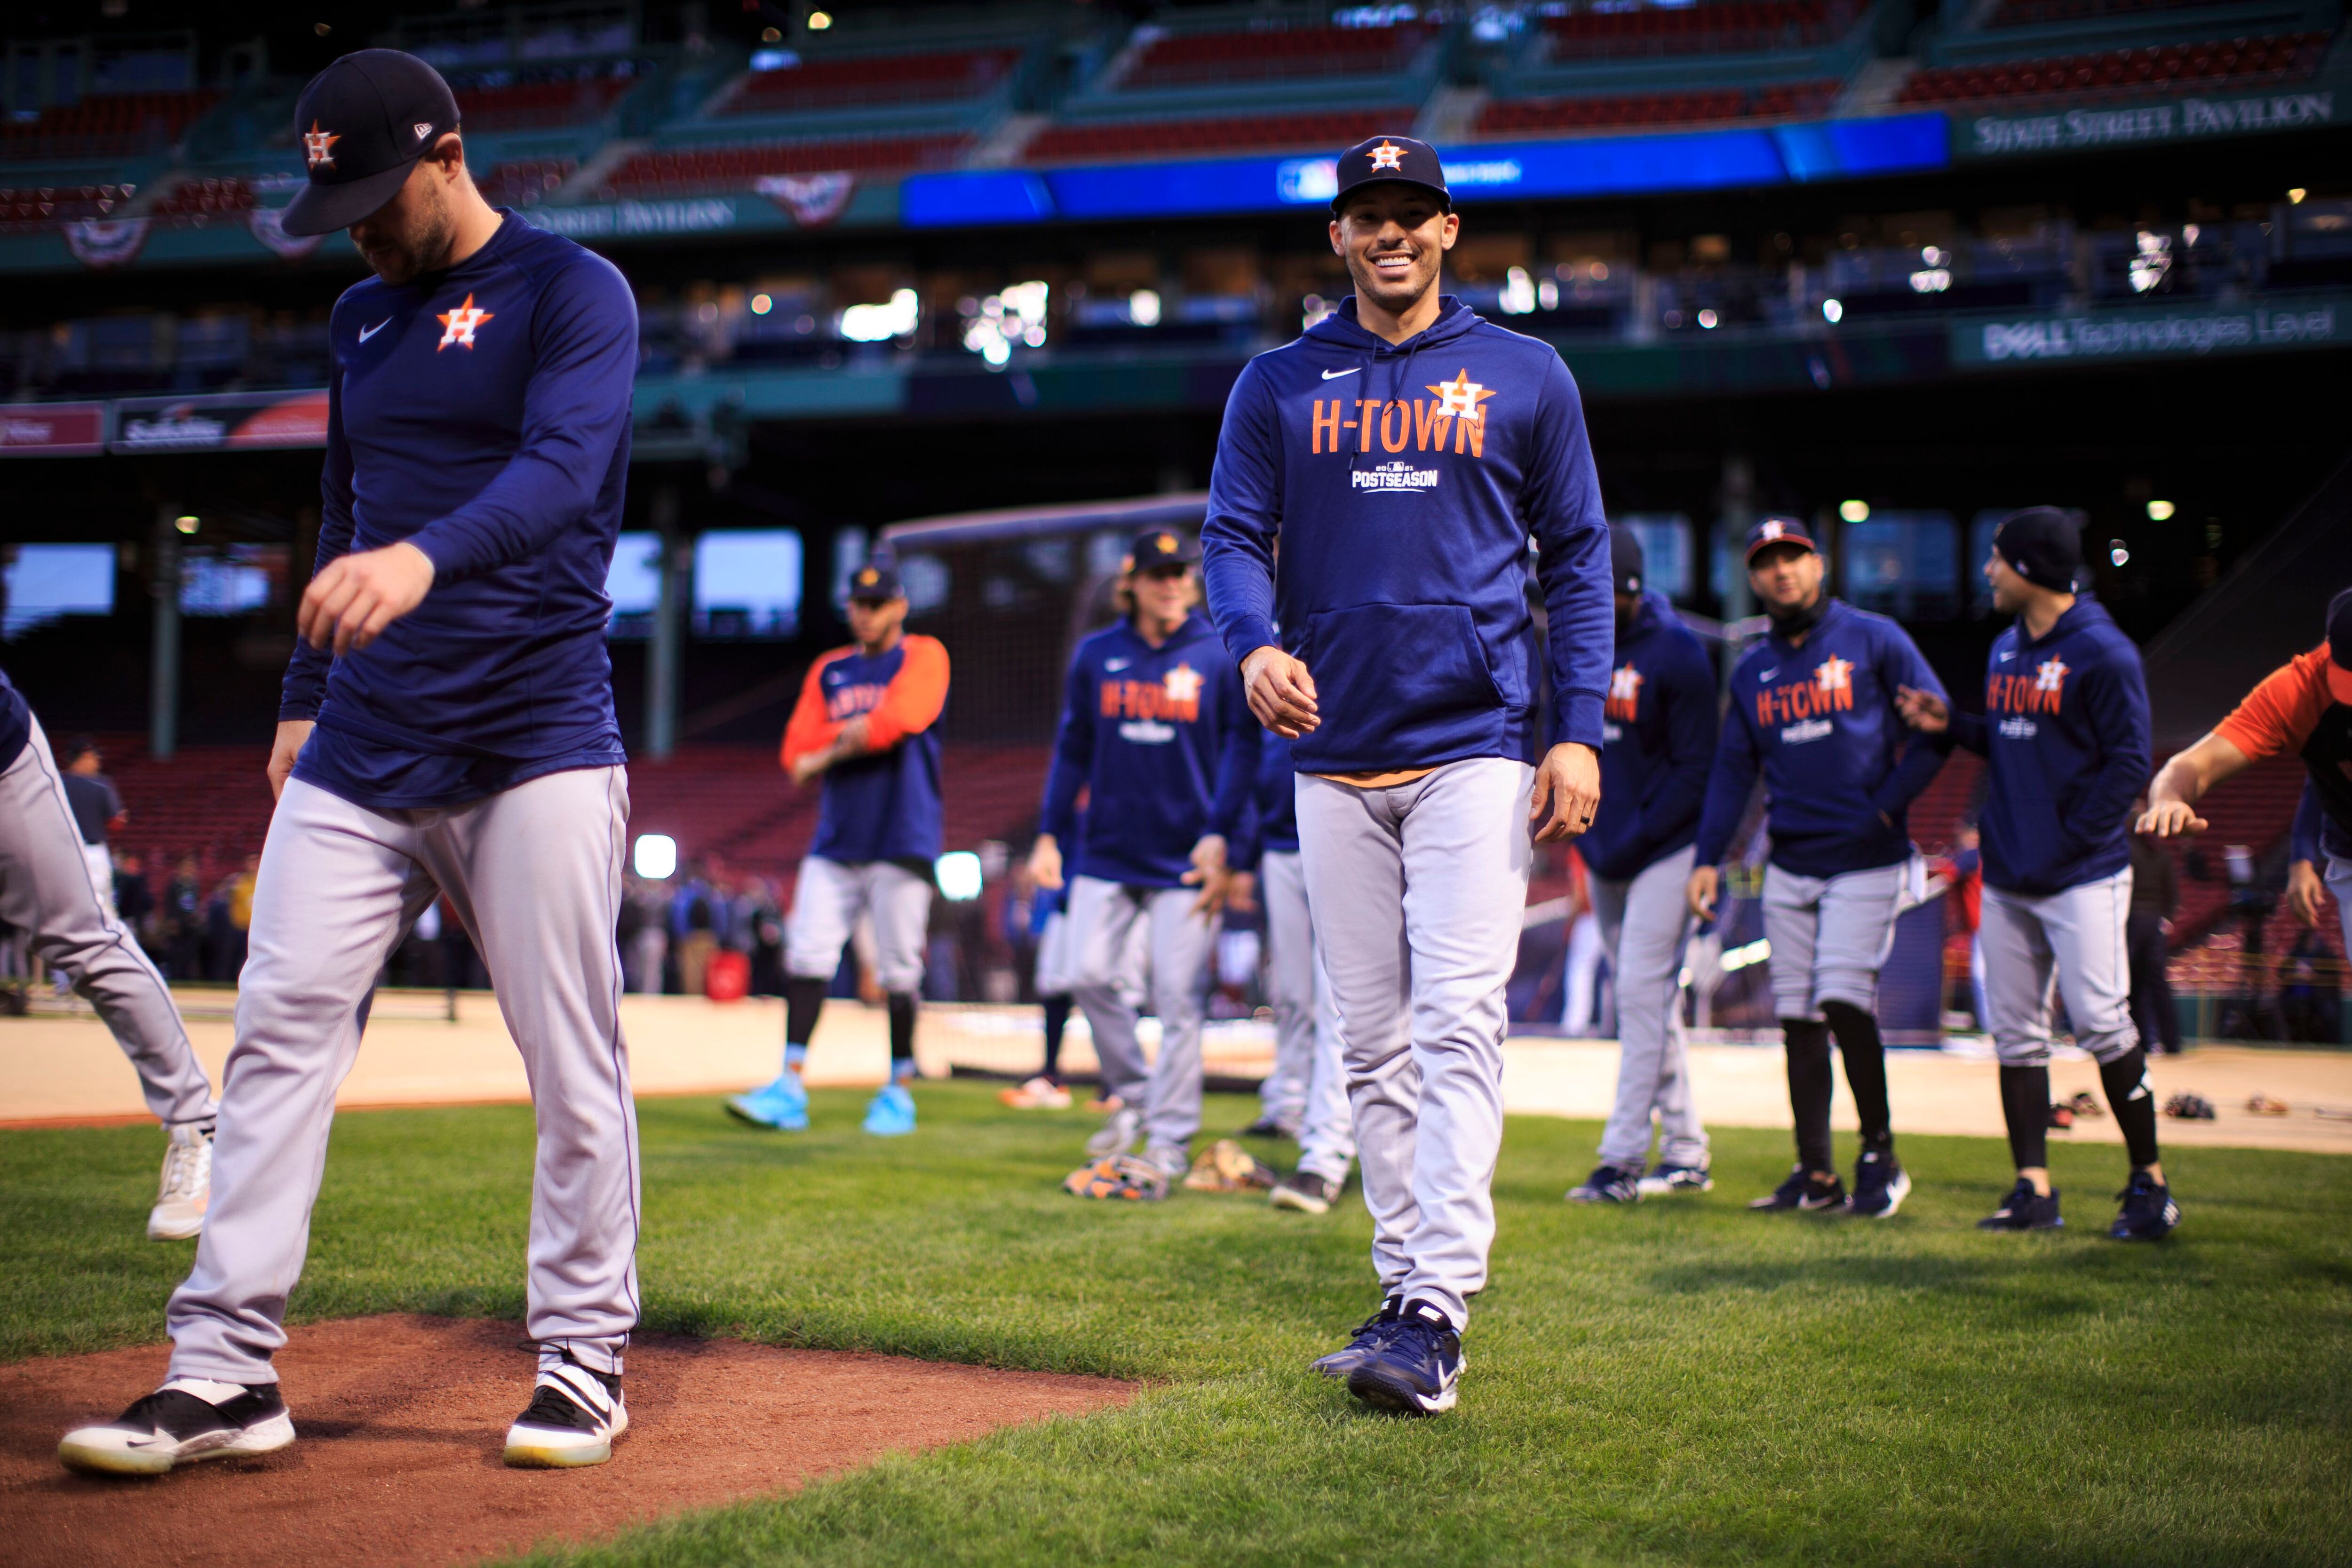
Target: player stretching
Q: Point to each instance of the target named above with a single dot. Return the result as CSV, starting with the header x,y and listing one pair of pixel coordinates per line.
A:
x,y
2065,731
866,726
1660,729
49,889
1154,728
1815,705
461,741
1404,449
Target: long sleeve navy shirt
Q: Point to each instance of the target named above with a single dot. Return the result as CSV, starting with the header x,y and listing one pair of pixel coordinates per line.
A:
x,y
1404,481
1841,768
1658,739
482,415
1163,741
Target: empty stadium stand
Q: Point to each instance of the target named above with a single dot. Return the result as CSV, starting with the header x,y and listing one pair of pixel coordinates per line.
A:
x,y
1191,59
1120,138
863,81
106,125
687,171
2277,57
1714,27
1698,107
2041,13
526,181
37,206
204,197
537,105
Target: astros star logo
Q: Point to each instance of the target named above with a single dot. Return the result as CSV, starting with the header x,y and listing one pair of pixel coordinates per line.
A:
x,y
460,325
1773,529
1184,684
2050,674
318,146
1625,685
1388,155
1833,674
1460,397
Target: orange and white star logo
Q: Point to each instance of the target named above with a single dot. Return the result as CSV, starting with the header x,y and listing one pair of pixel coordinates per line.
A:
x,y
458,326
1833,674
2050,674
1773,529
319,146
1388,155
1625,685
1184,684
1460,397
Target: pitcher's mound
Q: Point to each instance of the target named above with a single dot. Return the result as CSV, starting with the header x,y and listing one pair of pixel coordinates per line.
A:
x,y
402,1420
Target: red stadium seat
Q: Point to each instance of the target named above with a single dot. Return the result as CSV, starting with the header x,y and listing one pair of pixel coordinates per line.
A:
x,y
2269,58
687,171
1700,107
822,83
1326,132
1184,60
107,124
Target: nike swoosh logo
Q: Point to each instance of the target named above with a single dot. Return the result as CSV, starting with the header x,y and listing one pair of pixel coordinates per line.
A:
x,y
1336,375
367,332
1116,665
1767,674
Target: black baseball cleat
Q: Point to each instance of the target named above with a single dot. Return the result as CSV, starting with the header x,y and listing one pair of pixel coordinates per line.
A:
x,y
2024,1209
172,1427
1804,1190
1370,1335
1608,1184
1880,1185
574,1413
1415,1370
1306,1192
2148,1213
1267,1126
1665,1180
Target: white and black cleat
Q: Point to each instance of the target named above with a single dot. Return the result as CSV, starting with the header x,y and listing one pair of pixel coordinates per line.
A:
x,y
186,1187
172,1427
573,1416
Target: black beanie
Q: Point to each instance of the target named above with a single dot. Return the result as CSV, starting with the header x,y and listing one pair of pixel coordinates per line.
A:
x,y
2043,545
1625,559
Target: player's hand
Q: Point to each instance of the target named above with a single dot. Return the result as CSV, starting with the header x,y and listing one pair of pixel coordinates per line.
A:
x,y
1566,792
1281,693
1700,891
852,741
1209,875
291,734
808,764
1240,891
1923,710
1045,861
351,603
2304,892
2169,819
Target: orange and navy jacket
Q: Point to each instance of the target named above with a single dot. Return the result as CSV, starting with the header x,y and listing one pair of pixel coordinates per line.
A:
x,y
883,805
1163,741
1840,767
2291,714
2065,731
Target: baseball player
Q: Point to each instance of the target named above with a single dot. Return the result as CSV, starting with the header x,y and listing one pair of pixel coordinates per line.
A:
x,y
1404,450
1813,706
446,728
1659,730
867,725
1155,729
2064,731
50,891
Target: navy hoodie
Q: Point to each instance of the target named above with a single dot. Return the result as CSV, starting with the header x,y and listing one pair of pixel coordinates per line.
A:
x,y
1839,767
1272,823
1403,481
1658,733
2066,729
1163,740
15,723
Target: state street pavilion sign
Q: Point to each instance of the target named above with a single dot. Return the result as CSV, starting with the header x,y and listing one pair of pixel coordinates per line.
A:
x,y
2187,118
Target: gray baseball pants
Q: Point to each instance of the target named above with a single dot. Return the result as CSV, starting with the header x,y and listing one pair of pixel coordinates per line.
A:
x,y
1180,949
535,874
1418,891
2079,932
50,891
826,902
1646,924
1313,1095
1830,936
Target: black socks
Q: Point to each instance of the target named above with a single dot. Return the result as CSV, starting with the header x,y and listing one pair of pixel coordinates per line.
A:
x,y
1057,1018
2133,1103
1866,1070
804,1000
1808,1045
2025,1106
902,1028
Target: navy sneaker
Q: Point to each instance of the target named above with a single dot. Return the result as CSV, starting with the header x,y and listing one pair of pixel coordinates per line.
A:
x,y
1880,1185
1369,1336
2148,1213
1804,1190
1663,1181
2024,1209
1608,1184
1415,1370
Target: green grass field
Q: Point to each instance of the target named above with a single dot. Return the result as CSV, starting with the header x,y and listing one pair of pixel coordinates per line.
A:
x,y
1680,1382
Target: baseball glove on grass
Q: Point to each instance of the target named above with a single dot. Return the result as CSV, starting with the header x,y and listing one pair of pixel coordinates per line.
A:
x,y
1226,1167
1121,1176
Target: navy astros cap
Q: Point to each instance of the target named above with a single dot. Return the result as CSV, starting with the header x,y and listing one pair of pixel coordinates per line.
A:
x,y
2340,646
2043,545
1379,160
1778,531
1625,560
1161,547
362,123
877,579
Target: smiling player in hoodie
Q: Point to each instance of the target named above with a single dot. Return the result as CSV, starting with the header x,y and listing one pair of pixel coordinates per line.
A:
x,y
1403,450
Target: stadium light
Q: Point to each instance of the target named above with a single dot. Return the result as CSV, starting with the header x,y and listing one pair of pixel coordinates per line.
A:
x,y
959,876
820,20
185,524
895,318
656,857
1707,319
1832,311
2160,511
2296,193
1855,510
2118,553
1519,295
1735,959
1143,307
761,304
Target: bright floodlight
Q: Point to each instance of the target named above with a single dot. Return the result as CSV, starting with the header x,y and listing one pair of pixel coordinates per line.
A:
x,y
1832,311
1855,510
656,855
2160,511
958,875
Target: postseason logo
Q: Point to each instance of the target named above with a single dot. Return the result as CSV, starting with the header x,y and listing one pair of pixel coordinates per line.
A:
x,y
1394,477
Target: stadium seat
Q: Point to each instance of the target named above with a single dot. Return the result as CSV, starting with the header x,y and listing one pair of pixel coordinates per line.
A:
x,y
1326,132
822,83
1191,59
38,206
106,124
684,171
534,106
1777,101
2270,59
1716,26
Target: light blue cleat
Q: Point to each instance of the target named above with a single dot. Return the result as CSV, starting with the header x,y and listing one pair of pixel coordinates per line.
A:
x,y
892,1114
782,1104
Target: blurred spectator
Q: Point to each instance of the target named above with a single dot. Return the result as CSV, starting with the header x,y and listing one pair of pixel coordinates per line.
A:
x,y
2156,894
2310,995
181,925
96,809
647,916
1964,910
134,901
1582,964
461,969
228,918
695,913
760,916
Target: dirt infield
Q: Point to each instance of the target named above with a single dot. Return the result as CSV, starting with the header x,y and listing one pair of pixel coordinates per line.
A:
x,y
400,1421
